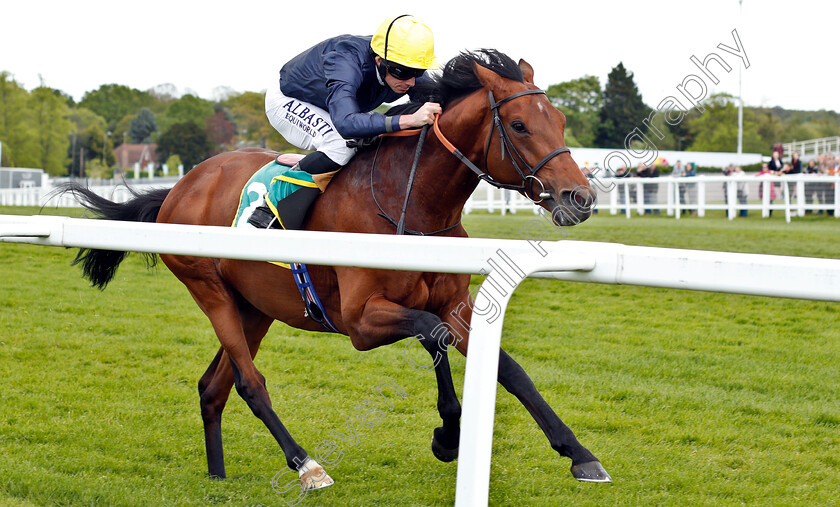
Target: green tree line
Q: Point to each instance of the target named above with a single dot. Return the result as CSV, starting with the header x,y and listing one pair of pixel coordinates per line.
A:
x,y
45,128
599,117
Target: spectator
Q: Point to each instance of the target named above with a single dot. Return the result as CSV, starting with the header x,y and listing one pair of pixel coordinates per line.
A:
x,y
832,168
727,171
775,163
640,171
622,172
679,172
765,171
649,194
794,167
779,147
795,164
743,191
654,187
811,187
690,169
691,188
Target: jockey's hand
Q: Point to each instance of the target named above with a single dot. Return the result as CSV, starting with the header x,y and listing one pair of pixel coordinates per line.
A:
x,y
423,116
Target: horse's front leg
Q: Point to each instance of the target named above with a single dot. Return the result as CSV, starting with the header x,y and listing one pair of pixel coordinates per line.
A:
x,y
585,466
381,322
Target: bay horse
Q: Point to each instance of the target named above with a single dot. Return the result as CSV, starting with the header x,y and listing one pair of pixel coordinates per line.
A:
x,y
498,124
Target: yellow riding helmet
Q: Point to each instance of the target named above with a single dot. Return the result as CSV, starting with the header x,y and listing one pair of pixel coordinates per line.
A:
x,y
407,41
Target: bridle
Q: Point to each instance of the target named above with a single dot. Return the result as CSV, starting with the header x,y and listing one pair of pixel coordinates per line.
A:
x,y
528,175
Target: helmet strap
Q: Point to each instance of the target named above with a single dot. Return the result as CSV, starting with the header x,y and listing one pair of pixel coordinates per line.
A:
x,y
381,70
387,33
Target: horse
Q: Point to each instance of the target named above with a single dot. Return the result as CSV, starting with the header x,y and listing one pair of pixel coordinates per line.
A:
x,y
500,127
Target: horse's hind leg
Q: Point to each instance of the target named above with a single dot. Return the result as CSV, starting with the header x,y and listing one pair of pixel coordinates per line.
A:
x,y
212,404
214,387
381,322
219,303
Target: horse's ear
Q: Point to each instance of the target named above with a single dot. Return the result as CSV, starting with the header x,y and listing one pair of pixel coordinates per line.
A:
x,y
486,77
527,71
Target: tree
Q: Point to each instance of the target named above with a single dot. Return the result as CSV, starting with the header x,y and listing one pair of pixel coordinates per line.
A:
x,y
220,131
222,93
16,134
188,108
187,140
582,95
717,128
770,128
87,141
52,129
623,110
164,94
580,100
683,137
661,135
114,101
142,126
173,162
248,112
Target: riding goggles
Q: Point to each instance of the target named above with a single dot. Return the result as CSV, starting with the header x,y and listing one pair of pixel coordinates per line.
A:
x,y
401,72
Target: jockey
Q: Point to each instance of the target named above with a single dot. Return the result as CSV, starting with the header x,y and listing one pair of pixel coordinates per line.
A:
x,y
326,94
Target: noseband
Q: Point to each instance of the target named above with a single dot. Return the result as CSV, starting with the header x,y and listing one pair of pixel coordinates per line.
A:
x,y
526,172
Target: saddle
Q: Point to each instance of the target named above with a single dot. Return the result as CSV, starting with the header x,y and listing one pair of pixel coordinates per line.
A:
x,y
278,195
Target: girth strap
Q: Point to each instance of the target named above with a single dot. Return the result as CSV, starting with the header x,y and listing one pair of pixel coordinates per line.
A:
x,y
313,308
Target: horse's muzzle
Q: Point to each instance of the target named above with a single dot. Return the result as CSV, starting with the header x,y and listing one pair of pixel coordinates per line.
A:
x,y
574,206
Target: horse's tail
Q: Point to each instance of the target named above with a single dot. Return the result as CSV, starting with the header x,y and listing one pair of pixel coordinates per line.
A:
x,y
100,266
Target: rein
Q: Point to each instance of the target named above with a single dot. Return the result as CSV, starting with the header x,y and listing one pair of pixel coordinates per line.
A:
x,y
528,175
401,225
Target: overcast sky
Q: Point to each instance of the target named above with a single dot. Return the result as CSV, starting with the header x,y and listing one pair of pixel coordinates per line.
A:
x,y
77,46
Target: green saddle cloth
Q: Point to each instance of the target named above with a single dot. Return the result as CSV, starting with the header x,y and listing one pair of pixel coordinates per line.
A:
x,y
269,185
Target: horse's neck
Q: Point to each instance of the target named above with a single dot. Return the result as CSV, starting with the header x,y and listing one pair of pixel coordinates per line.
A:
x,y
442,184
445,181
444,172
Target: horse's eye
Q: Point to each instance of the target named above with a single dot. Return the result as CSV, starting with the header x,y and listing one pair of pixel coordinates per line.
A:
x,y
519,127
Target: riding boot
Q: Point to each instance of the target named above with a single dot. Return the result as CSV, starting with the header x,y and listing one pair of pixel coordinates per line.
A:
x,y
293,209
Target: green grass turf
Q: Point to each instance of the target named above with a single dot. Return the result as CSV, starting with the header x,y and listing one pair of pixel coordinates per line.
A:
x,y
688,398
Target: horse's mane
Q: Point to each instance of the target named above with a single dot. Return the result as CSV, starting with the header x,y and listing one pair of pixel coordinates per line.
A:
x,y
458,78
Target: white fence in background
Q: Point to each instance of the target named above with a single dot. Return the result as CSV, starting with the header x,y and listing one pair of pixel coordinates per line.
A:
x,y
767,275
42,195
795,195
811,148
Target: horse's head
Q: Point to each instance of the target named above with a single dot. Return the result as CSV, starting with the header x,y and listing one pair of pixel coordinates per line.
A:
x,y
526,147
517,139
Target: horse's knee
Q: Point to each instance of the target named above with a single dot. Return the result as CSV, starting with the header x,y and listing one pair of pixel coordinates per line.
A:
x,y
212,405
207,378
255,395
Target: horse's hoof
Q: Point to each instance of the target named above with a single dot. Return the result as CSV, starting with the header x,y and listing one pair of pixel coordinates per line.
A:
x,y
313,476
591,472
442,453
